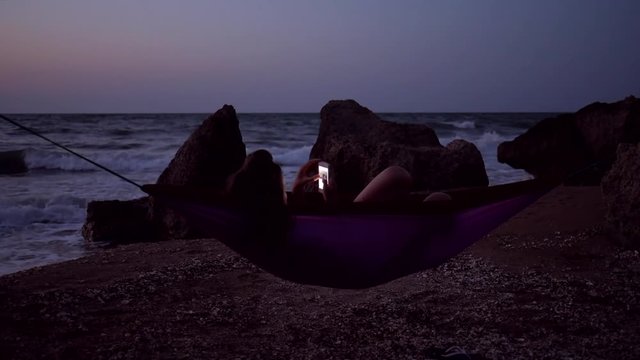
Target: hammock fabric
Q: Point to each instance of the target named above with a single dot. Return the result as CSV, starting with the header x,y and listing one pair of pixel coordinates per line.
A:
x,y
357,245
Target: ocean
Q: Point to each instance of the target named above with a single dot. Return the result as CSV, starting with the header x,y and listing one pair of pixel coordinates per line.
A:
x,y
42,210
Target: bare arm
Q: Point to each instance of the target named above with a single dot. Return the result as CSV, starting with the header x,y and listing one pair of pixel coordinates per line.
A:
x,y
307,174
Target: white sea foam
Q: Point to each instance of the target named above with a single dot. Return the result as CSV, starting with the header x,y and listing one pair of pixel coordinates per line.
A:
x,y
489,138
290,160
292,157
114,160
61,209
502,174
486,140
38,231
466,124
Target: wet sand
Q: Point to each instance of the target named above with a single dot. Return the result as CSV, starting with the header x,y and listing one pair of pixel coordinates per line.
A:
x,y
546,285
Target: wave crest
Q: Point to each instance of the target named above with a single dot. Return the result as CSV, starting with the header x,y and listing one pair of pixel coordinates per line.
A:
x,y
61,209
293,157
465,124
119,161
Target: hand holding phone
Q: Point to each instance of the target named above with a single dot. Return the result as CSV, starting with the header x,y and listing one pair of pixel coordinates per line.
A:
x,y
323,174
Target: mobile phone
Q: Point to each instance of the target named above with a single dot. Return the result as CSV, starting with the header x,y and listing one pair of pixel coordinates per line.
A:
x,y
323,171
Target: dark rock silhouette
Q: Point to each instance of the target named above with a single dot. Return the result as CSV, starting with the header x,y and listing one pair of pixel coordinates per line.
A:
x,y
120,222
214,151
580,145
12,162
621,191
551,149
358,145
604,126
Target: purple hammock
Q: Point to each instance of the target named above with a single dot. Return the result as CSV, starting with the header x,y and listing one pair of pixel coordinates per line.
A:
x,y
357,245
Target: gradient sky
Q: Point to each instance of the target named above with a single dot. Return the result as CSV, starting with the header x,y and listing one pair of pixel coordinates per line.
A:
x,y
294,56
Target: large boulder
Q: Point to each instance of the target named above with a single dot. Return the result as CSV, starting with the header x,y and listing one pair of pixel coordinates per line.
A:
x,y
359,145
12,162
575,145
214,151
621,191
120,222
603,126
551,149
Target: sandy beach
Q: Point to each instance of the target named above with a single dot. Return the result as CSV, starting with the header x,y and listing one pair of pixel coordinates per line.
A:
x,y
545,285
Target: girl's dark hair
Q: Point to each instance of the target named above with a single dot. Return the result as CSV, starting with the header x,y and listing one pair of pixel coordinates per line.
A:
x,y
258,189
258,182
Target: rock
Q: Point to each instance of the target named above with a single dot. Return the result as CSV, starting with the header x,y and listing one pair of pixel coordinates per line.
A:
x,y
604,126
551,149
214,151
12,162
460,165
621,192
580,146
359,145
120,222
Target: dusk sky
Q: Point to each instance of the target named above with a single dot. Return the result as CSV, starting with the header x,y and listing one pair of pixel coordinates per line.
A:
x,y
294,56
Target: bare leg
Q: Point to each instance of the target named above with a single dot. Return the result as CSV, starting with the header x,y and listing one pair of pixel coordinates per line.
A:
x,y
392,183
438,196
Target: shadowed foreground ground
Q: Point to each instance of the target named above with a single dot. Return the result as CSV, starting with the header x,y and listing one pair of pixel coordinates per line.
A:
x,y
546,285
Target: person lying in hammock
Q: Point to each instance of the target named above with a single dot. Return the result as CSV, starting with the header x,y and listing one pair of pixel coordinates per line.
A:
x,y
258,189
259,185
391,184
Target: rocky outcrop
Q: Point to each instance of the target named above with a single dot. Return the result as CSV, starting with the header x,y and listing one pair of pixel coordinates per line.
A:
x,y
120,222
214,151
621,191
12,162
551,149
604,126
359,145
575,145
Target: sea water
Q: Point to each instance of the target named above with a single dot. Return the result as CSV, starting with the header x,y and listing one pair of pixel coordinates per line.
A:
x,y
42,211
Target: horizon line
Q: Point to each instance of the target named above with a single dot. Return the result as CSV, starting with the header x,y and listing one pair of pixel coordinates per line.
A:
x,y
279,112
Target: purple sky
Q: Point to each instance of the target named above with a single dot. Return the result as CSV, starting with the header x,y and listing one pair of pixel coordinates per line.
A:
x,y
294,56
